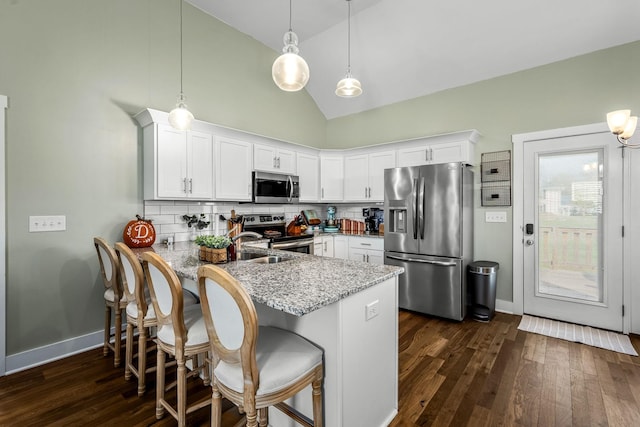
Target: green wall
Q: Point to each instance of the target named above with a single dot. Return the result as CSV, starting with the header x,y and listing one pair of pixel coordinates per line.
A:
x,y
75,71
573,92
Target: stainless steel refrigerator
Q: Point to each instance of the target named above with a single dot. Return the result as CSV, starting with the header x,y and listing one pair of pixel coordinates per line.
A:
x,y
428,214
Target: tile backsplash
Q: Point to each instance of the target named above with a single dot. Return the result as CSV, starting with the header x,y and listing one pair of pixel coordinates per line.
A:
x,y
167,216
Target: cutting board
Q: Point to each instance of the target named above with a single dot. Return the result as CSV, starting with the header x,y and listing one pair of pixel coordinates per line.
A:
x,y
310,217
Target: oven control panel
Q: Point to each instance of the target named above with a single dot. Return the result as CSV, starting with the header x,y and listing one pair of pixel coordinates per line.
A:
x,y
263,219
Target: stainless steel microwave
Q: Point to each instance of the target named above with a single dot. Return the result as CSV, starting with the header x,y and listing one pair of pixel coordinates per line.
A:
x,y
275,188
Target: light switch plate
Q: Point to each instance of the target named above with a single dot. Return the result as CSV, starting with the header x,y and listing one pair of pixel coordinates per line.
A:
x,y
495,216
44,223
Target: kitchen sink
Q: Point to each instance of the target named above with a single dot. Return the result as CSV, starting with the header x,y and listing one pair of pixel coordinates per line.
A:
x,y
260,258
268,259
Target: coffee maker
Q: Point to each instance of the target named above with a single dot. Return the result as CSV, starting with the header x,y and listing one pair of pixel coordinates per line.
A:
x,y
373,218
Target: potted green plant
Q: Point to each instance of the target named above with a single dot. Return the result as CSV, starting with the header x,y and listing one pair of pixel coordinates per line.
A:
x,y
213,248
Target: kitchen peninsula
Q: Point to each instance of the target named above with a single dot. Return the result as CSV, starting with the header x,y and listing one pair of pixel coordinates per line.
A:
x,y
347,308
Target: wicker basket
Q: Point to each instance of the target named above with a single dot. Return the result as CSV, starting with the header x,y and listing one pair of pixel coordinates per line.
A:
x,y
216,256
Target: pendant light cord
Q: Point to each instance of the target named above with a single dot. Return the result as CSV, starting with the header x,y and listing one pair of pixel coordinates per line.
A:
x,y
290,12
349,38
181,1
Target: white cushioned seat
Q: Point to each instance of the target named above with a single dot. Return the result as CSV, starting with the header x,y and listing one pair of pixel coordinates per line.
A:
x,y
109,295
196,329
282,357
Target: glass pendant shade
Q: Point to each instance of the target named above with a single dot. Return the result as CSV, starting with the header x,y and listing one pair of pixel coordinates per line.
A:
x,y
180,117
290,71
348,87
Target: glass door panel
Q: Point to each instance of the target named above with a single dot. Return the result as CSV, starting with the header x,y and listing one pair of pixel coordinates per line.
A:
x,y
569,222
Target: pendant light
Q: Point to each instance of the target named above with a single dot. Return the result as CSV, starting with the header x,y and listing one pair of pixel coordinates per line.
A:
x,y
290,71
349,87
180,117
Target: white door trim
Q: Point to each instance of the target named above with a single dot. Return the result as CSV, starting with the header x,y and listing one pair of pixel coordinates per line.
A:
x,y
3,239
518,141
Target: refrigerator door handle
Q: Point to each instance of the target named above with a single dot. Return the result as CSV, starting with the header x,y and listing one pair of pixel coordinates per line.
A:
x,y
421,207
415,209
424,261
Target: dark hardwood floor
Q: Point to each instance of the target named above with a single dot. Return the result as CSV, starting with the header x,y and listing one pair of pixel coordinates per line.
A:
x,y
451,374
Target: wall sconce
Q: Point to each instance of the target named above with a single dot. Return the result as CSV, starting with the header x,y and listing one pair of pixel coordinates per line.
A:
x,y
623,125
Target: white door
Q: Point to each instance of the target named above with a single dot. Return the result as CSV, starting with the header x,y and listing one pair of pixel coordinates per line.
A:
x,y
308,173
573,245
200,165
356,178
378,162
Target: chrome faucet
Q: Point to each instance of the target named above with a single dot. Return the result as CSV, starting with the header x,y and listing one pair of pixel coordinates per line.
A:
x,y
237,239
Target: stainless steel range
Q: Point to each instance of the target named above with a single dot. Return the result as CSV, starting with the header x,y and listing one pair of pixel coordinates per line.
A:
x,y
274,228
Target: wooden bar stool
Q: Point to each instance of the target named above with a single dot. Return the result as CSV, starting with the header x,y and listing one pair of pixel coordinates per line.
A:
x,y
114,298
254,367
140,314
181,334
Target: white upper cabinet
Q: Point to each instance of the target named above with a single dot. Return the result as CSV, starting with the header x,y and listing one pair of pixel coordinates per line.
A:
x,y
233,169
364,175
272,159
309,175
177,164
331,178
211,162
429,152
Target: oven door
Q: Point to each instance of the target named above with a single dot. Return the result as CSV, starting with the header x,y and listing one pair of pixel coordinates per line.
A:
x,y
304,246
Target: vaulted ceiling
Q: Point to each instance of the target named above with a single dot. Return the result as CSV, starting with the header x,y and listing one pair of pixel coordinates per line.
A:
x,y
403,49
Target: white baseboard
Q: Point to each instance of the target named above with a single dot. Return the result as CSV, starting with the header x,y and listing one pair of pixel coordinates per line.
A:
x,y
48,353
504,306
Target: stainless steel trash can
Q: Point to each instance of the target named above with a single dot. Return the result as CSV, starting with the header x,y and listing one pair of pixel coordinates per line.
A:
x,y
482,280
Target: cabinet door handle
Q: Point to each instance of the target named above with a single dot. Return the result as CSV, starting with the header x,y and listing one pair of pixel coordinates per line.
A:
x,y
322,192
325,246
191,185
365,244
365,192
184,184
273,163
369,192
278,162
367,257
364,258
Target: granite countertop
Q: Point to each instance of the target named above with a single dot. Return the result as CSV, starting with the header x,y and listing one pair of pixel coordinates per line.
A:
x,y
298,286
373,235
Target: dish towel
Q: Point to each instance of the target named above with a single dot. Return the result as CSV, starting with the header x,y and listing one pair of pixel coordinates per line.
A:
x,y
576,333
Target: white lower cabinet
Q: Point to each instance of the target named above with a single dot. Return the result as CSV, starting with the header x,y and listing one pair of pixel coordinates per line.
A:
x,y
341,247
366,249
323,246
